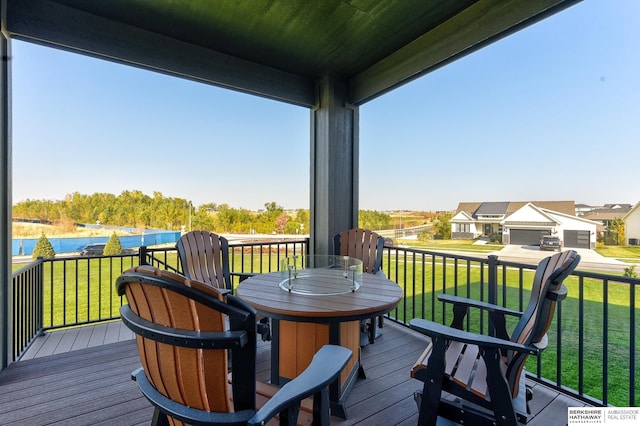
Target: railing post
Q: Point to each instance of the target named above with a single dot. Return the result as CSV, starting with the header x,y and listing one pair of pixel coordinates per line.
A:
x,y
492,265
6,293
142,254
493,279
40,287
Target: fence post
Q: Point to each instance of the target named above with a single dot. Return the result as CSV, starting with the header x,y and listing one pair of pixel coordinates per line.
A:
x,y
40,291
492,265
142,254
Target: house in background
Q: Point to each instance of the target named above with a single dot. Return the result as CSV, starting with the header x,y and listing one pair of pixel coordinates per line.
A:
x,y
524,223
607,213
632,225
583,209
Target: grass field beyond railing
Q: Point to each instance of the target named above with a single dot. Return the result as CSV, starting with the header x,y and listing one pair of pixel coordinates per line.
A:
x,y
592,346
593,330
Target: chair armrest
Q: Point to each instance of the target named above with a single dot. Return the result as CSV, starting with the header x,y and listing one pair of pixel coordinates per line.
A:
x,y
243,275
180,337
478,304
324,369
559,294
433,329
496,313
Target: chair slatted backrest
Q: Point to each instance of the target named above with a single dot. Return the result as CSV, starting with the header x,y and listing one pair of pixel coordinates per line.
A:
x,y
546,291
205,257
192,376
361,244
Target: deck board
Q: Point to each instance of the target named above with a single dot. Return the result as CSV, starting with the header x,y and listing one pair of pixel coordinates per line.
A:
x,y
92,385
56,342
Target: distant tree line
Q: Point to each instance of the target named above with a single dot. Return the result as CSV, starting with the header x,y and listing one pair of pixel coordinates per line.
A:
x,y
138,210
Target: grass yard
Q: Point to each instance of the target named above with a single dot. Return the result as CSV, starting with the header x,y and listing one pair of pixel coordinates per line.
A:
x,y
602,339
625,253
461,245
601,311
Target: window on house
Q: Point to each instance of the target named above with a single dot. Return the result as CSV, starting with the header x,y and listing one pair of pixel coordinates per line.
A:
x,y
462,227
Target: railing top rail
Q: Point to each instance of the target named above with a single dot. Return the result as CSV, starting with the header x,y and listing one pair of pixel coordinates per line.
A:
x,y
27,266
433,253
607,277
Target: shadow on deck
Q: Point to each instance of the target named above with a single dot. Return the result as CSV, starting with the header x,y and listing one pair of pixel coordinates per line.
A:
x,y
55,384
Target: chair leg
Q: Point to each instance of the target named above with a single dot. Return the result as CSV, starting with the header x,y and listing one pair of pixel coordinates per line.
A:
x,y
289,416
321,408
432,389
529,397
501,400
264,329
159,418
372,331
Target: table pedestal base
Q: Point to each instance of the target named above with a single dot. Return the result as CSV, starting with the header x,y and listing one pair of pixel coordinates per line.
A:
x,y
293,345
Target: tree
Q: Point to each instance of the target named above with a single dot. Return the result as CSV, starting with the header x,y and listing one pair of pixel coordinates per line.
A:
x,y
281,222
273,207
442,226
371,219
616,227
298,224
425,235
113,246
43,249
631,272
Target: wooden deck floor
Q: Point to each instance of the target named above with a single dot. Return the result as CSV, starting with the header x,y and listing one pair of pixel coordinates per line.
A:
x,y
57,385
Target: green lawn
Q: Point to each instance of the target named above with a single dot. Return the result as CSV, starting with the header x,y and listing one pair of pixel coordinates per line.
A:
x,y
462,245
421,301
625,253
95,298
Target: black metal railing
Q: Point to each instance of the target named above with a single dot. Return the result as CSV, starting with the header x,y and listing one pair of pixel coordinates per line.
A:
x,y
257,257
592,348
74,291
592,345
26,306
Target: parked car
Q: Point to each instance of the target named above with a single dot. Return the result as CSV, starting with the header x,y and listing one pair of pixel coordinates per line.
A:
x,y
549,242
95,249
388,241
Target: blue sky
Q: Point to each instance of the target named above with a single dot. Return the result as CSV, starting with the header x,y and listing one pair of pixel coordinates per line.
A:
x,y
549,113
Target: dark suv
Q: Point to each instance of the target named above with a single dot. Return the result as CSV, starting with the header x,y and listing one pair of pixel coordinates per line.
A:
x,y
549,242
95,249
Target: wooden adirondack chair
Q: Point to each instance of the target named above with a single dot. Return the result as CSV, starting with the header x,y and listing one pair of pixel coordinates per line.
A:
x,y
367,246
476,379
183,341
204,257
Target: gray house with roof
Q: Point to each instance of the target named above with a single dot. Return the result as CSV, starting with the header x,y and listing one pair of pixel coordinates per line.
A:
x,y
523,222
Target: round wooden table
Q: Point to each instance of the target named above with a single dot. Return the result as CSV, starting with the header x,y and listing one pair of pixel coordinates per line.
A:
x,y
302,323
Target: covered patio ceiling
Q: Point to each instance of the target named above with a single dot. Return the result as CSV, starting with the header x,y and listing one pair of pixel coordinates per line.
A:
x,y
278,49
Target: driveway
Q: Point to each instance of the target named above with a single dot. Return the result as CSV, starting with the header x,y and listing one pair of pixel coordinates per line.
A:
x,y
589,259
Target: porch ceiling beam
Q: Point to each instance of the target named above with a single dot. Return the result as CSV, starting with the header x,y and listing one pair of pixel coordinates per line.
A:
x,y
52,24
477,26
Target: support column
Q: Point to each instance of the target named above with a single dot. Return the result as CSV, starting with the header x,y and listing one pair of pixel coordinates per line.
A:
x,y
334,164
5,200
